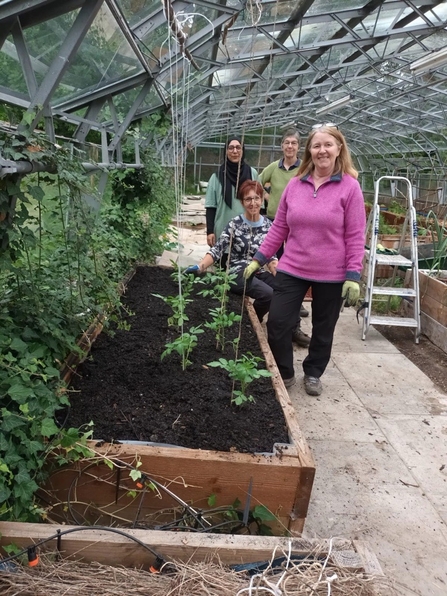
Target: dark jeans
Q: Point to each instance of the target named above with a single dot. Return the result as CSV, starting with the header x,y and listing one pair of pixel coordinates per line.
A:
x,y
284,315
259,287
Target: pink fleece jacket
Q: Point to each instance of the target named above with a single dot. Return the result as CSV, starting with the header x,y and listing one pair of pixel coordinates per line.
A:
x,y
324,230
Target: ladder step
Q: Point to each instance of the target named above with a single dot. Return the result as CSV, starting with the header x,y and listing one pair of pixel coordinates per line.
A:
x,y
385,291
393,260
396,260
394,321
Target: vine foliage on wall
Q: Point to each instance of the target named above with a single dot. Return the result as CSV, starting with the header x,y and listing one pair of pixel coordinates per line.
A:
x,y
60,266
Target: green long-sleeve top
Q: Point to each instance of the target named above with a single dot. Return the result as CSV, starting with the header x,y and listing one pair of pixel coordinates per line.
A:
x,y
278,177
215,200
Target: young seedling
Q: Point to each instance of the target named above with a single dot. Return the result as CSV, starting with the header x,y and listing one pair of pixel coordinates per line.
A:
x,y
184,345
221,321
244,370
218,285
186,280
178,304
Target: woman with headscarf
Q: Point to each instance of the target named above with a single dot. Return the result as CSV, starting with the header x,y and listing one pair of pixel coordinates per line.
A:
x,y
221,204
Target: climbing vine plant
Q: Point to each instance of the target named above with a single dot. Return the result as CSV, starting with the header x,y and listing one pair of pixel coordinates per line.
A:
x,y
60,266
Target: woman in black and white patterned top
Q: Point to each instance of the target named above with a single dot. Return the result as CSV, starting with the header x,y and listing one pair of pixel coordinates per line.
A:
x,y
241,238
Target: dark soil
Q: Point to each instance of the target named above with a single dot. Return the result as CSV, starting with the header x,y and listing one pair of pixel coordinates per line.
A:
x,y
425,355
130,394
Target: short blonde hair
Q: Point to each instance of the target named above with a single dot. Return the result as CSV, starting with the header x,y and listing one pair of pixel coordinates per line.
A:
x,y
343,163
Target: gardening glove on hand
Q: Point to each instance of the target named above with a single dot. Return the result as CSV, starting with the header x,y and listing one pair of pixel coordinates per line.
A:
x,y
350,293
194,269
251,269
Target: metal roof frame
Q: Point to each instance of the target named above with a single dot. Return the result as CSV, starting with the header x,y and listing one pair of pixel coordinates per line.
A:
x,y
241,65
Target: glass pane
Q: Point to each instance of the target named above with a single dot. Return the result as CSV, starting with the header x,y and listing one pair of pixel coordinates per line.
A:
x,y
277,11
136,11
324,6
44,41
104,57
10,68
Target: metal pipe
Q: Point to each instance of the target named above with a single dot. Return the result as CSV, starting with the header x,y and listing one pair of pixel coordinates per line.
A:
x,y
111,166
9,166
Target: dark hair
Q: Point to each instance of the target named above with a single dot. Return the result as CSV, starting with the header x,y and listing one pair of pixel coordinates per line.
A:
x,y
248,185
234,138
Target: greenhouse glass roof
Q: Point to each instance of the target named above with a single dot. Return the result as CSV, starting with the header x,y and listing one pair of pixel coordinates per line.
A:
x,y
241,66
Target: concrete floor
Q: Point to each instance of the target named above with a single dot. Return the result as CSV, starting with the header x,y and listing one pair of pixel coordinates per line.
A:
x,y
378,434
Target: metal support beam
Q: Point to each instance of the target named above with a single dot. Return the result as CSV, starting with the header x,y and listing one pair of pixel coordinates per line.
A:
x,y
130,115
154,20
12,9
67,51
128,34
112,89
4,30
92,114
24,57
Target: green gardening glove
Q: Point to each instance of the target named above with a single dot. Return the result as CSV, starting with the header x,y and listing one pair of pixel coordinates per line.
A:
x,y
350,293
251,269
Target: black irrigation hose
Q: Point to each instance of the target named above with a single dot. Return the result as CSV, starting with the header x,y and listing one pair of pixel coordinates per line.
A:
x,y
66,410
145,478
159,560
200,517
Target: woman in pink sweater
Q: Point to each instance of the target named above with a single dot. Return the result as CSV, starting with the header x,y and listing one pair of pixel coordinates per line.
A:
x,y
321,217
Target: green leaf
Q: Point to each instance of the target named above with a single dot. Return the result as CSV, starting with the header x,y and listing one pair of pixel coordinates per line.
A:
x,y
18,345
5,492
20,393
10,421
261,512
50,371
70,437
4,469
27,118
48,427
25,489
265,530
212,500
109,463
24,408
135,475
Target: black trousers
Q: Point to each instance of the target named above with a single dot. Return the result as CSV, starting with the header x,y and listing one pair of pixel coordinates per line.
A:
x,y
283,317
259,287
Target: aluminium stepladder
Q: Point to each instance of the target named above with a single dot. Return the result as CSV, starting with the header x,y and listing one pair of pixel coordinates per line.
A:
x,y
372,258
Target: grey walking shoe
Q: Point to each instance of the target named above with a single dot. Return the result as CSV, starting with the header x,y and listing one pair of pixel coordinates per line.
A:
x,y
300,338
303,312
312,385
289,382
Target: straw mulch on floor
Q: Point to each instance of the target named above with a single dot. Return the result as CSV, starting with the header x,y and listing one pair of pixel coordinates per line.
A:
x,y
310,577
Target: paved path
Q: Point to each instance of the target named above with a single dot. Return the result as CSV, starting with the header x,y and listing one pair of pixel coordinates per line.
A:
x,y
379,438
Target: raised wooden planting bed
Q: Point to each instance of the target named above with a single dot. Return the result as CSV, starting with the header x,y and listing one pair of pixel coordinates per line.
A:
x,y
433,302
104,490
433,292
393,240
